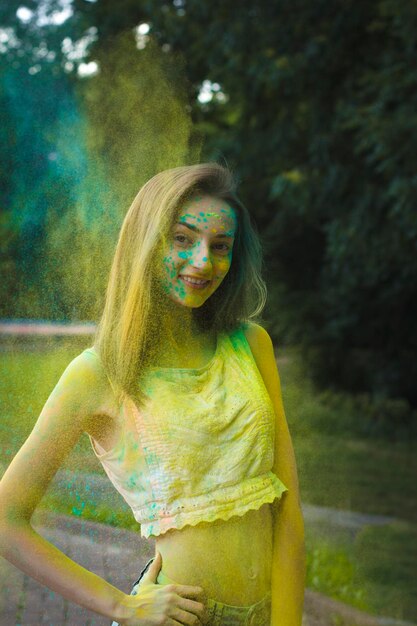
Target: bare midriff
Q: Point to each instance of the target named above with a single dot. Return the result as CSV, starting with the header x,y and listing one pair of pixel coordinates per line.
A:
x,y
231,560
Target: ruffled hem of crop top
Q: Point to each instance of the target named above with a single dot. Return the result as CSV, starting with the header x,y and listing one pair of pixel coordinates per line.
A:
x,y
224,503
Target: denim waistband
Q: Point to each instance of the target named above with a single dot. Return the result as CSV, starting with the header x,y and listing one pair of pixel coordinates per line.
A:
x,y
221,614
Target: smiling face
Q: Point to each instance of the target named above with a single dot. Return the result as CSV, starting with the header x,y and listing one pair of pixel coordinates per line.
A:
x,y
199,252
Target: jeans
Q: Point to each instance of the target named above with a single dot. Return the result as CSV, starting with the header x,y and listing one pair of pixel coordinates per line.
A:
x,y
219,614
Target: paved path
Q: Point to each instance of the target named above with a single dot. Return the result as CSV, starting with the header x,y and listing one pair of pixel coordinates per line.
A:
x,y
33,328
117,556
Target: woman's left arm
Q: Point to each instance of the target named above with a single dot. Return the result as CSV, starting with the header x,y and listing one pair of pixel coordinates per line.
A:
x,y
288,566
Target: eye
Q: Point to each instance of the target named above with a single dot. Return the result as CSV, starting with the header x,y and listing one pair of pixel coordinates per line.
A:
x,y
182,239
222,247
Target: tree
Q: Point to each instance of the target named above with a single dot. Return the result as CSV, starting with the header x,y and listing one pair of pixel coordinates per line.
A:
x,y
313,105
319,121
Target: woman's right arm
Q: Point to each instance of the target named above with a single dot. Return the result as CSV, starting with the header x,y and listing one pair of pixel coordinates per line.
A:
x,y
68,413
65,416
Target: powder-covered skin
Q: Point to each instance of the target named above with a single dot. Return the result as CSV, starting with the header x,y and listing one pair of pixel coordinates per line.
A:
x,y
201,246
195,464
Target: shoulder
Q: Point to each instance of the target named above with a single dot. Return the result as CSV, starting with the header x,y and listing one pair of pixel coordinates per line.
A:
x,y
84,378
257,337
86,367
261,347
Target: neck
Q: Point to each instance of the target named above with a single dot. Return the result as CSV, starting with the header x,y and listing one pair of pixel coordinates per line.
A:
x,y
178,326
177,330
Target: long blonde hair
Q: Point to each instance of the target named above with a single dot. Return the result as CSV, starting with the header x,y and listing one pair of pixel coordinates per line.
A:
x,y
129,320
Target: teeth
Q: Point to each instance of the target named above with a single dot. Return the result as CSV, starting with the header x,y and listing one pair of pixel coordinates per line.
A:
x,y
194,281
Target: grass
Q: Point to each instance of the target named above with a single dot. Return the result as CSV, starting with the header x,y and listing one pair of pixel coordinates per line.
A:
x,y
337,467
375,571
26,380
386,558
332,571
97,512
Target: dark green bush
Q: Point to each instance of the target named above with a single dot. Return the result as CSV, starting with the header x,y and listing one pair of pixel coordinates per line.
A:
x,y
372,415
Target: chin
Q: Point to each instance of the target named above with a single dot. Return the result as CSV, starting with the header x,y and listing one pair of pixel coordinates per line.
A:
x,y
195,304
190,302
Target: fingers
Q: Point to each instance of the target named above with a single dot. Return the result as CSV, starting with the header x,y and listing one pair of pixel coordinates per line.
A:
x,y
188,619
192,609
181,604
190,612
187,591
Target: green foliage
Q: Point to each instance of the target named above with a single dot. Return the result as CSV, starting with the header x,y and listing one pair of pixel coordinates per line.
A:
x,y
341,462
104,138
27,377
38,181
331,571
386,559
99,512
314,108
322,103
372,570
370,416
8,264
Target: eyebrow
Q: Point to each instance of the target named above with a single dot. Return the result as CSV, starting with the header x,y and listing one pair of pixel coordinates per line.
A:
x,y
227,235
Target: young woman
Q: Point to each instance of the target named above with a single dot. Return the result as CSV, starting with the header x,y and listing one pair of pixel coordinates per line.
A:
x,y
181,398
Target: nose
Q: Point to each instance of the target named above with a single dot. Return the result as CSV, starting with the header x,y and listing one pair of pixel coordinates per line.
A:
x,y
201,258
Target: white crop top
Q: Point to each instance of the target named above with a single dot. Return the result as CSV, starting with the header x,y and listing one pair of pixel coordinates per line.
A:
x,y
202,447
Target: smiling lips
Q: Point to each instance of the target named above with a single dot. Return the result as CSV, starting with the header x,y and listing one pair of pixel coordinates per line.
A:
x,y
196,283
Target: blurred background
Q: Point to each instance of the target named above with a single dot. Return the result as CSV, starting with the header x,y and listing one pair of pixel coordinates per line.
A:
x,y
314,107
